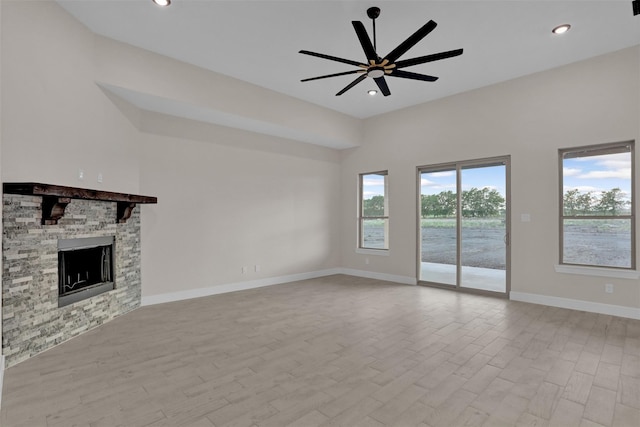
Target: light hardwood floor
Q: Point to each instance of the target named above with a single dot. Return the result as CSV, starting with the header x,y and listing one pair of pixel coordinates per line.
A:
x,y
340,351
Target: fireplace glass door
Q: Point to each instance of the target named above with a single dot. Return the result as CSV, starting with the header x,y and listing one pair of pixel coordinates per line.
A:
x,y
85,268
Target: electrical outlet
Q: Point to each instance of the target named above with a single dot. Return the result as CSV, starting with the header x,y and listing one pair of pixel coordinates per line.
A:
x,y
256,268
80,174
366,261
245,269
100,177
608,288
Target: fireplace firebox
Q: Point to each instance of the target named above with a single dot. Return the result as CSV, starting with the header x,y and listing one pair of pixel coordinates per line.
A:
x,y
85,268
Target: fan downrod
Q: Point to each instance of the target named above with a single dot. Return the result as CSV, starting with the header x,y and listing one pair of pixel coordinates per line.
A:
x,y
373,12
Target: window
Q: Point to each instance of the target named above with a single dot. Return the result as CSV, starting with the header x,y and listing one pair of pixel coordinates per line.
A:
x,y
374,211
597,210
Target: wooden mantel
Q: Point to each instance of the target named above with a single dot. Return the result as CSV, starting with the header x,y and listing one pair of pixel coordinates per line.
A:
x,y
55,199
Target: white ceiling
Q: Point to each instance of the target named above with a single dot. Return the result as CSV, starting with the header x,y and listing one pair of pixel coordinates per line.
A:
x,y
258,41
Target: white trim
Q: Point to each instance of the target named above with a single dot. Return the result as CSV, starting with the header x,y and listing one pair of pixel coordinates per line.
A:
x,y
252,284
379,252
405,280
594,307
233,287
598,271
573,304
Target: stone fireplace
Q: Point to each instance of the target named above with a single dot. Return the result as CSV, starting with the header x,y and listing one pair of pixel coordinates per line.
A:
x,y
66,273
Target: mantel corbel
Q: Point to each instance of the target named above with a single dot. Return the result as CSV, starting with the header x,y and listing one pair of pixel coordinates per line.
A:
x,y
53,209
125,209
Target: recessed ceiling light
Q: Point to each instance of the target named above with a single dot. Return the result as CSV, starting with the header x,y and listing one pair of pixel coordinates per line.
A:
x,y
372,92
561,29
163,3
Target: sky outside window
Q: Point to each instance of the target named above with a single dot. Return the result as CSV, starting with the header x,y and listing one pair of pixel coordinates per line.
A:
x,y
598,173
491,177
372,185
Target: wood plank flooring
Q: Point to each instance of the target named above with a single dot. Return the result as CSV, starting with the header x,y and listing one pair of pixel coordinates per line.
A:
x,y
336,351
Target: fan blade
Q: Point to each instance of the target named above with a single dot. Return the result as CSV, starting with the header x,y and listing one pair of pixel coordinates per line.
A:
x,y
352,84
413,76
382,84
333,75
428,58
411,41
365,41
334,58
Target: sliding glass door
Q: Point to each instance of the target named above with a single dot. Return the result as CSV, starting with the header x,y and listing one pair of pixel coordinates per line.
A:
x,y
464,225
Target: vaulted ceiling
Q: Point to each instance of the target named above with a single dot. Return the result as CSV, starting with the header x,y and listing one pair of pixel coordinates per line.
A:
x,y
258,41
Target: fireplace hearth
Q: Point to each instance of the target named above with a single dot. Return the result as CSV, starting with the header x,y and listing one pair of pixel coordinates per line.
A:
x,y
85,268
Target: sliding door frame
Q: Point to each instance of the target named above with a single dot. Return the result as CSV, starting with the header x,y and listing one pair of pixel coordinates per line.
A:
x,y
458,166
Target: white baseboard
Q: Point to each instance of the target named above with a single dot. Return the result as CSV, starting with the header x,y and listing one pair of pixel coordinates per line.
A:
x,y
574,304
233,287
593,307
252,284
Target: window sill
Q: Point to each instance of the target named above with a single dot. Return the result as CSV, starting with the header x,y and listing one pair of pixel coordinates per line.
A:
x,y
379,252
598,271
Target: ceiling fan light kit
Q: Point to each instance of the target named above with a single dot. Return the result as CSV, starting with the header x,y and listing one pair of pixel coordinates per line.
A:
x,y
378,67
561,29
162,3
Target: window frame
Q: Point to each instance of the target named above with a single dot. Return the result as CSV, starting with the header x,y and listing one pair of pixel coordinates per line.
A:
x,y
595,150
362,218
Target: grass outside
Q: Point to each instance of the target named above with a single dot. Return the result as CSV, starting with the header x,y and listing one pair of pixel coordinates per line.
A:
x,y
599,225
497,222
483,223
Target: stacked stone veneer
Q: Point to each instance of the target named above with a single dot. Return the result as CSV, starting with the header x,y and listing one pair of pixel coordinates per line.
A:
x,y
31,319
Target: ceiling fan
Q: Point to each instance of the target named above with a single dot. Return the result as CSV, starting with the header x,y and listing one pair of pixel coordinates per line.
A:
x,y
377,68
